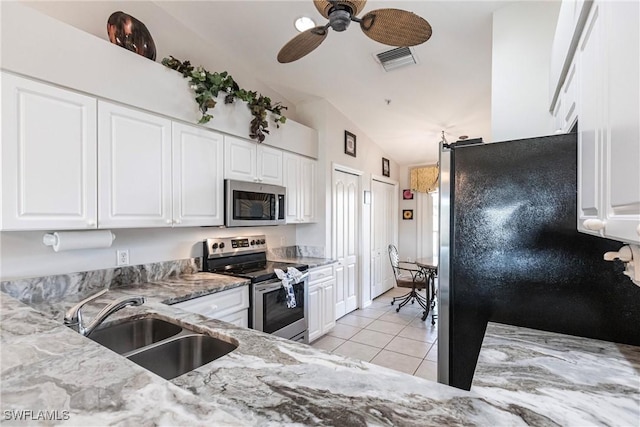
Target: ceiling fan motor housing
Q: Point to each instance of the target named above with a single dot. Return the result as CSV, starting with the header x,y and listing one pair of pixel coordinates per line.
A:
x,y
339,19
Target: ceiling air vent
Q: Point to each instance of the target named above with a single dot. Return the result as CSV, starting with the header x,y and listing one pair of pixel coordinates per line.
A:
x,y
396,58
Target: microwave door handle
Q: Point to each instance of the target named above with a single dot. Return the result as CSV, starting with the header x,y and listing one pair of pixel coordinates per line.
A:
x,y
271,288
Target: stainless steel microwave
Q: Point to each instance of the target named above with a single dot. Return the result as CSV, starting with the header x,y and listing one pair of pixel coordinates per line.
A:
x,y
253,204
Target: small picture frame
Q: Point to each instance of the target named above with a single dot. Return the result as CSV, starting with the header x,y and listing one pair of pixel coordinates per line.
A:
x,y
407,214
349,143
385,167
407,194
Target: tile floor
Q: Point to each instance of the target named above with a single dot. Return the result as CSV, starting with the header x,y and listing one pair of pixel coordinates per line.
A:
x,y
377,334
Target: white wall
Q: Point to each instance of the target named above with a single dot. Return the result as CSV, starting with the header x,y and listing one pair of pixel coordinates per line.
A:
x,y
171,36
522,37
407,229
331,124
22,254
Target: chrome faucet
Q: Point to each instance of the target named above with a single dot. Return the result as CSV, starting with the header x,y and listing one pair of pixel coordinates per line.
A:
x,y
73,316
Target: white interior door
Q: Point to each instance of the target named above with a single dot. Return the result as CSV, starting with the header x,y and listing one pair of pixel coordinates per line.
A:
x,y
346,188
383,233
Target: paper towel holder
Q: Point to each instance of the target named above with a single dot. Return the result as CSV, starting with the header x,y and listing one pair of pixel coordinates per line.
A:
x,y
51,239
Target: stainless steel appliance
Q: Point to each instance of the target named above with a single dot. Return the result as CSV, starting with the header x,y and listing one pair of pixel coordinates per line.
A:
x,y
253,204
246,257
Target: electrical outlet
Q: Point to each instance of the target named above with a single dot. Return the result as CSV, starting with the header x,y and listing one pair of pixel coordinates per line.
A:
x,y
122,257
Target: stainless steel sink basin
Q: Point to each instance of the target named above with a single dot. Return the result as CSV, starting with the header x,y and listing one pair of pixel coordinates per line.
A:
x,y
181,355
134,334
164,348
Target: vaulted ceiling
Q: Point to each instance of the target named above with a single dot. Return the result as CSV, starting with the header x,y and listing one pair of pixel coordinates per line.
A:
x,y
403,111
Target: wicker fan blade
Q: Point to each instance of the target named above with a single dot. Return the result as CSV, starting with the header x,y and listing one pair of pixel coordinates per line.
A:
x,y
395,27
302,44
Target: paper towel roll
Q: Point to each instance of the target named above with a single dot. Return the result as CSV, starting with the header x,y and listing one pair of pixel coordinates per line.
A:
x,y
72,240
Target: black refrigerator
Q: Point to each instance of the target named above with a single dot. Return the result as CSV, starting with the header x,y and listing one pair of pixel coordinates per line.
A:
x,y
510,252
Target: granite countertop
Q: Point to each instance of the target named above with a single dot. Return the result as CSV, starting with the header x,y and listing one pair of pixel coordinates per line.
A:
x,y
559,379
266,381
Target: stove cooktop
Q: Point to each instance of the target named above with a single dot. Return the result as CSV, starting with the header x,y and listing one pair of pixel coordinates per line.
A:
x,y
259,272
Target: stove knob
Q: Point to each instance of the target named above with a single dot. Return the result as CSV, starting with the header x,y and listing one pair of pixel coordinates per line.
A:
x,y
222,245
262,242
214,246
253,242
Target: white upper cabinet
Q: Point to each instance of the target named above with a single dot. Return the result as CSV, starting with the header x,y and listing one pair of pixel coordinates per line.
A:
x,y
591,126
609,122
48,157
299,174
198,187
134,170
248,161
621,180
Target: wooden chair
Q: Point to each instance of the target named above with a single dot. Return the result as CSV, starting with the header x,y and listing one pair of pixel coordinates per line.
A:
x,y
408,275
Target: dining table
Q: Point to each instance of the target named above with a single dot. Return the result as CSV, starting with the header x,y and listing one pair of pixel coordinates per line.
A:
x,y
429,267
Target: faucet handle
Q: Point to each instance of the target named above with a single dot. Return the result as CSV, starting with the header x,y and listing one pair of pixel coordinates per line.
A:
x,y
73,314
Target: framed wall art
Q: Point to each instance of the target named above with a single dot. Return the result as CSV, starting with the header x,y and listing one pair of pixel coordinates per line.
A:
x,y
385,167
349,143
407,194
407,214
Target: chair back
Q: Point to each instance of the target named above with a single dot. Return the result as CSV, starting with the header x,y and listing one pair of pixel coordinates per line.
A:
x,y
395,260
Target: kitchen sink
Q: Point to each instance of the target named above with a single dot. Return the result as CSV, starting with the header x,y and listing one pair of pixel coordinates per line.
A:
x,y
134,334
181,355
164,348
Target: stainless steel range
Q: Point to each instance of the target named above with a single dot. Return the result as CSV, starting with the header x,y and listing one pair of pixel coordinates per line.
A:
x,y
246,257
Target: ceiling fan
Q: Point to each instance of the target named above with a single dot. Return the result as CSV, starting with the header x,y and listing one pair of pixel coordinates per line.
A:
x,y
392,27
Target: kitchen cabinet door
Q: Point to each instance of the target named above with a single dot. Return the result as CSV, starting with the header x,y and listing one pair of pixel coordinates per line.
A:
x,y
315,312
591,132
621,154
299,177
198,184
248,161
269,165
134,169
48,157
307,190
240,159
328,306
609,123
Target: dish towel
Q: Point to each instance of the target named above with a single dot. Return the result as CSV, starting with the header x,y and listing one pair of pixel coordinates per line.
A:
x,y
293,275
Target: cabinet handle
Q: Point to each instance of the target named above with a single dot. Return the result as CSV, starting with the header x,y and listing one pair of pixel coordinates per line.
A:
x,y
638,229
593,224
169,221
178,221
91,223
214,307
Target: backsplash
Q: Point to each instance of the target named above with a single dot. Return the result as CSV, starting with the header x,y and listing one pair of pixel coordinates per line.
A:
x,y
297,251
47,288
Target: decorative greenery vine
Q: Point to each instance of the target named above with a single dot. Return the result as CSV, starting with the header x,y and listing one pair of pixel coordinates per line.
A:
x,y
208,86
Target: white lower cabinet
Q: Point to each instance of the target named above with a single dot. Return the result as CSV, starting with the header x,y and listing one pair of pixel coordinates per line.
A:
x,y
48,166
230,306
321,302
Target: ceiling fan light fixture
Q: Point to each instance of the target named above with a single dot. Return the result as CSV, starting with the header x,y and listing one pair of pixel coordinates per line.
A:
x,y
304,23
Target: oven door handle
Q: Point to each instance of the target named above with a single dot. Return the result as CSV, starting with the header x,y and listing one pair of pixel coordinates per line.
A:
x,y
268,288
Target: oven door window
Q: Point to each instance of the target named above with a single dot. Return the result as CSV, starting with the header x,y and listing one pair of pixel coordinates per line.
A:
x,y
276,315
249,205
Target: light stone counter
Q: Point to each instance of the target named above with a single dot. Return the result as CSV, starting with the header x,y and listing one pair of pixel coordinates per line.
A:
x,y
265,381
569,380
